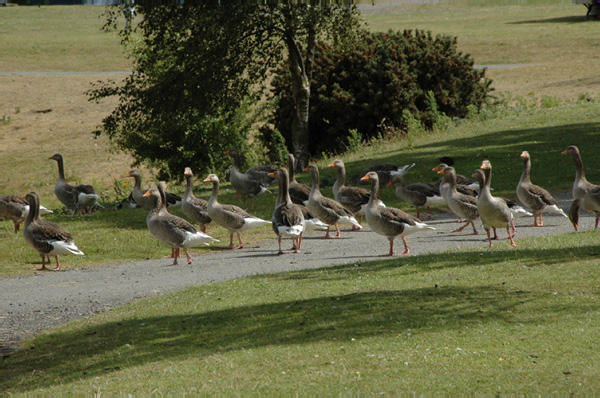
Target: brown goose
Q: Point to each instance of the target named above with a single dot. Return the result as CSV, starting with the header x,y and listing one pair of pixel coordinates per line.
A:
x,y
48,238
464,185
354,199
417,194
388,221
147,202
170,229
230,217
76,197
581,185
287,219
464,206
535,197
298,192
327,210
385,171
194,208
494,212
16,209
590,202
244,184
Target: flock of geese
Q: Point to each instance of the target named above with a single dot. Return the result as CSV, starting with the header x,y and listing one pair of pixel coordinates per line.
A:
x,y
300,208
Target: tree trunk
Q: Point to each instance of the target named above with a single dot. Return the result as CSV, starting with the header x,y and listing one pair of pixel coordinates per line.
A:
x,y
300,135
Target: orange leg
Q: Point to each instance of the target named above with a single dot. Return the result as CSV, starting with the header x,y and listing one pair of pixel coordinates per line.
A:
x,y
512,242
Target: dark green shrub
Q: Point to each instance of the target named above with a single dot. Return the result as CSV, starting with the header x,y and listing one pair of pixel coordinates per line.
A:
x,y
368,86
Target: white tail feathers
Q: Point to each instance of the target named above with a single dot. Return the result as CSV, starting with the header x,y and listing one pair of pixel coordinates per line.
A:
x,y
197,238
347,220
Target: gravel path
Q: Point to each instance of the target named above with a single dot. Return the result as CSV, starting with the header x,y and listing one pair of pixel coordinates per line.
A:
x,y
35,303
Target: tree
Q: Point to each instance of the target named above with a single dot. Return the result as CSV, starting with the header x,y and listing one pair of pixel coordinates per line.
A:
x,y
198,65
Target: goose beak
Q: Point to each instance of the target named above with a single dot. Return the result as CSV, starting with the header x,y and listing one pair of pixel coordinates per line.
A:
x,y
227,152
389,184
128,175
332,165
147,194
272,175
436,168
207,179
564,152
483,166
305,169
523,154
440,171
365,178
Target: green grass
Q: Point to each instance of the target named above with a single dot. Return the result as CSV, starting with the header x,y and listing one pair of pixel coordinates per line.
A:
x,y
478,321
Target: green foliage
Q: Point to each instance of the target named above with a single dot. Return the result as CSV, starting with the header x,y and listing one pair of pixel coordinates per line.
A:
x,y
195,67
375,80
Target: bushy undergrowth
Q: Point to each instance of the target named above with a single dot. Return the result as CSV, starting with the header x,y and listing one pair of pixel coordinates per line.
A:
x,y
369,86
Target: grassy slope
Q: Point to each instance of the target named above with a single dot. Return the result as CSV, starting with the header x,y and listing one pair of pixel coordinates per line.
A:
x,y
477,321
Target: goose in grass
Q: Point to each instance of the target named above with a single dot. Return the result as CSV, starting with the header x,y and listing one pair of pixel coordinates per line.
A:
x,y
287,219
230,217
327,210
464,206
385,171
494,212
354,199
535,197
48,238
417,194
581,185
16,209
298,192
74,197
170,229
388,221
194,208
245,185
146,202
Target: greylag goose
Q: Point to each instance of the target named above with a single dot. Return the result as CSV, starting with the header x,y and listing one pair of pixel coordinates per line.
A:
x,y
230,217
48,238
464,185
146,202
418,194
128,203
244,184
76,197
194,208
327,210
262,173
535,197
494,212
388,221
590,202
287,219
298,192
354,199
312,222
16,209
464,206
170,229
581,185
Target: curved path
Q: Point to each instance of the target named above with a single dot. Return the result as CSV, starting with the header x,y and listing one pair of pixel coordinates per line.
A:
x,y
34,303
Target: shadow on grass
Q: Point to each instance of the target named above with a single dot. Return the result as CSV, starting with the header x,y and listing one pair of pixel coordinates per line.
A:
x,y
566,19
92,351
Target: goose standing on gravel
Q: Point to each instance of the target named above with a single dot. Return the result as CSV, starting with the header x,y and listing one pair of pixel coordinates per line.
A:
x,y
146,202
287,219
170,229
464,185
535,197
494,212
76,197
298,192
327,210
48,238
244,184
388,221
581,185
16,209
590,202
354,199
418,194
464,206
230,217
194,208
385,171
